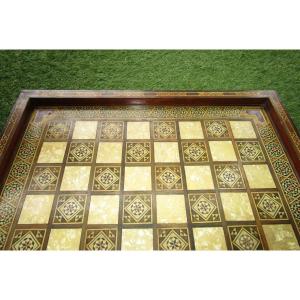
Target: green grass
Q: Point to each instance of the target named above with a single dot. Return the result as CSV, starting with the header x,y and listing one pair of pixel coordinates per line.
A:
x,y
150,70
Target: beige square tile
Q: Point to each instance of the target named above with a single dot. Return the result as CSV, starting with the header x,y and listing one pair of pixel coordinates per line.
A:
x,y
36,209
104,209
52,152
242,130
199,178
166,152
237,207
64,239
76,178
281,237
109,152
209,238
138,130
259,176
137,179
222,151
171,209
191,130
137,239
85,130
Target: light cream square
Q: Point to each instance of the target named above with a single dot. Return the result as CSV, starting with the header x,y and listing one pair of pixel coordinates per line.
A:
x,y
191,130
76,178
259,176
199,178
36,209
237,207
109,152
138,130
138,179
242,130
104,209
85,130
166,152
222,151
137,239
171,209
209,238
281,237
64,239
52,152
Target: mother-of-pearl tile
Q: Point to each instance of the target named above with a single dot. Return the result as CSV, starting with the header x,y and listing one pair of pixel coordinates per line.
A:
x,y
52,152
281,237
137,179
137,239
199,178
171,209
85,130
166,152
259,176
36,209
64,239
237,206
104,209
76,178
138,130
109,152
191,130
242,130
222,151
209,238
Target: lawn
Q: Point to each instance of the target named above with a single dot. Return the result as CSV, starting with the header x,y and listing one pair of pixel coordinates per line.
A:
x,y
151,70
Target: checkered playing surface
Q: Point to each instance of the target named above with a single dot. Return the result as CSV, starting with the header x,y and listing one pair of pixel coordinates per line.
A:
x,y
143,183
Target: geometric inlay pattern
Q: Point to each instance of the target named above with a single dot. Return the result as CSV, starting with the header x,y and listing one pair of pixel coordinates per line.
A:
x,y
229,176
282,167
295,209
58,131
7,212
12,190
111,130
168,178
27,151
44,179
269,205
165,130
216,129
81,152
20,169
101,239
138,152
194,152
250,151
70,209
107,178
173,239
274,150
245,237
137,209
204,208
28,239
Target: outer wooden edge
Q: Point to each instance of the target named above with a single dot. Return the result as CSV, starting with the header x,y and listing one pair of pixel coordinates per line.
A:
x,y
9,135
277,112
139,93
285,127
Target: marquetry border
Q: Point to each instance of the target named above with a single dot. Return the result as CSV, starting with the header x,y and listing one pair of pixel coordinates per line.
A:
x,y
12,191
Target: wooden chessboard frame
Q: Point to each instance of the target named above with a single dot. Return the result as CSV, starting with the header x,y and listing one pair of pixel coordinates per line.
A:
x,y
257,105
